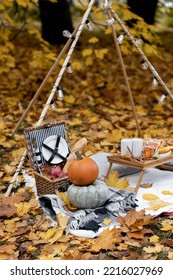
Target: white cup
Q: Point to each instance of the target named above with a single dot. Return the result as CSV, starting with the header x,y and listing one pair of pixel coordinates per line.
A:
x,y
126,142
137,147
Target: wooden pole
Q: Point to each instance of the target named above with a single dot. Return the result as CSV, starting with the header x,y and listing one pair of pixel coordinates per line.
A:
x,y
15,176
43,84
124,74
72,47
69,54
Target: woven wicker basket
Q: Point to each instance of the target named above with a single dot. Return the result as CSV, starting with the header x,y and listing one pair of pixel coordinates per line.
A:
x,y
45,185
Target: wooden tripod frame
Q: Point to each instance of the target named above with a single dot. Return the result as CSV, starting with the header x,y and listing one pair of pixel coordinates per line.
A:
x,y
71,45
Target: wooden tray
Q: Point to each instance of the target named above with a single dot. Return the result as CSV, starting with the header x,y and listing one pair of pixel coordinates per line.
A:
x,y
129,161
142,165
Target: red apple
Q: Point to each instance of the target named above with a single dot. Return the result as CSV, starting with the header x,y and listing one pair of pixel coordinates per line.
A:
x,y
55,171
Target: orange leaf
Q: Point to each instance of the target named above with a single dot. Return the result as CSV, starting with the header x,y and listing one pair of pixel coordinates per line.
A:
x,y
107,240
7,211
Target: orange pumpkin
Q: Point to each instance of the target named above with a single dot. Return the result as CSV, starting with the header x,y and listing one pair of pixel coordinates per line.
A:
x,y
83,171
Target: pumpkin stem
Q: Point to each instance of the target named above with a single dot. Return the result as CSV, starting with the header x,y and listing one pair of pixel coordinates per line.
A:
x,y
78,155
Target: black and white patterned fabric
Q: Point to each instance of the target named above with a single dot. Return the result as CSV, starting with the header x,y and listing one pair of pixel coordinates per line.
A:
x,y
90,222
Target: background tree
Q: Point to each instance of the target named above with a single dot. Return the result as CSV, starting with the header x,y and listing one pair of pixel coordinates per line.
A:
x,y
55,17
144,8
21,19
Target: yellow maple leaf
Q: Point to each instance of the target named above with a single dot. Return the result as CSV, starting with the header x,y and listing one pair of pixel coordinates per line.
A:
x,y
170,255
74,122
155,205
18,153
47,234
115,135
9,169
7,248
98,14
105,124
150,196
69,99
93,40
154,239
77,65
106,240
2,126
153,249
105,143
61,61
146,186
93,119
7,237
167,227
26,207
51,56
114,182
22,208
65,198
108,31
89,61
167,192
8,144
24,3
1,7
8,18
107,221
62,220
58,234
31,248
88,153
101,53
122,246
87,52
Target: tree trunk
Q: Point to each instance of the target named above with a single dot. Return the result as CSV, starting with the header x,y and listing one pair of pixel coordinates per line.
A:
x,y
55,17
144,8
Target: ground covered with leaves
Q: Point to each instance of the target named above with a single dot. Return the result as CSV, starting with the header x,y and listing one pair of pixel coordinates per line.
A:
x,y
95,106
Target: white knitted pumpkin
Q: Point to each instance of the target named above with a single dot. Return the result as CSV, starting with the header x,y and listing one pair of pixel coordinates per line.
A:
x,y
91,196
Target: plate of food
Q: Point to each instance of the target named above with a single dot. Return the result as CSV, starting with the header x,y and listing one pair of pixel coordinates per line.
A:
x,y
164,151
